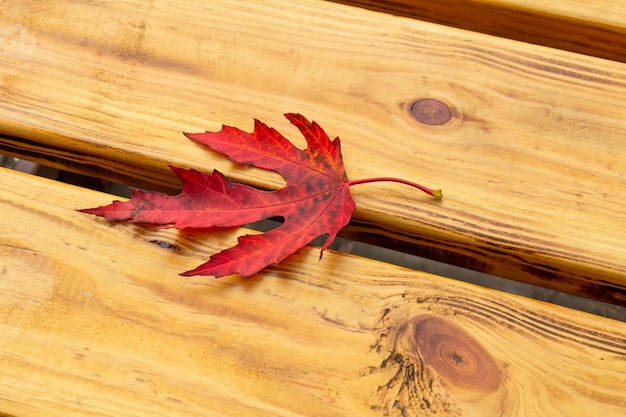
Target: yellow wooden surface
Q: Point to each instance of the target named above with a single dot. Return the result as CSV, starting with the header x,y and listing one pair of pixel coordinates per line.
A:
x,y
95,321
596,28
531,162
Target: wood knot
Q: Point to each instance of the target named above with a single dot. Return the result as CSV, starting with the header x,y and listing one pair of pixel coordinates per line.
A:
x,y
431,111
452,353
433,364
165,245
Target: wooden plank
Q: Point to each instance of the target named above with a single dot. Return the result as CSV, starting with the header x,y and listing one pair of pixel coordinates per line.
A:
x,y
94,320
530,161
595,28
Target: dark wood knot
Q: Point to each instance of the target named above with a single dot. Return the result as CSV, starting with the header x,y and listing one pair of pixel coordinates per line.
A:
x,y
454,354
451,352
435,365
431,111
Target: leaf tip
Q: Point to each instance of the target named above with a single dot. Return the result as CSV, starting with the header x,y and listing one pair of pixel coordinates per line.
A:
x,y
194,272
94,210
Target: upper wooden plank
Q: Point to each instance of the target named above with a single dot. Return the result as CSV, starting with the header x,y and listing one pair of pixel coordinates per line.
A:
x,y
95,321
595,28
531,162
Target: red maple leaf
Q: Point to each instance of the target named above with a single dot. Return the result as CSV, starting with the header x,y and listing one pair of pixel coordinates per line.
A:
x,y
315,201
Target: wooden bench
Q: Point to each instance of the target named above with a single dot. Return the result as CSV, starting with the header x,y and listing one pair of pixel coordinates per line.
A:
x,y
94,319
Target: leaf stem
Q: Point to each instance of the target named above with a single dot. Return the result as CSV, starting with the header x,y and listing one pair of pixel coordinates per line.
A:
x,y
434,193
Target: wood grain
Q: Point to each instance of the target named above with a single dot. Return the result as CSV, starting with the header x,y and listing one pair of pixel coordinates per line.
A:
x,y
595,28
95,321
531,162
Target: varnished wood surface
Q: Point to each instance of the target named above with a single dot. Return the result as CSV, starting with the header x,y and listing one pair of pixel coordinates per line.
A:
x,y
531,162
595,28
95,321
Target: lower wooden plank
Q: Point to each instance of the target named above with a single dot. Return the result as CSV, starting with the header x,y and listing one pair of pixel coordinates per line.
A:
x,y
94,320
